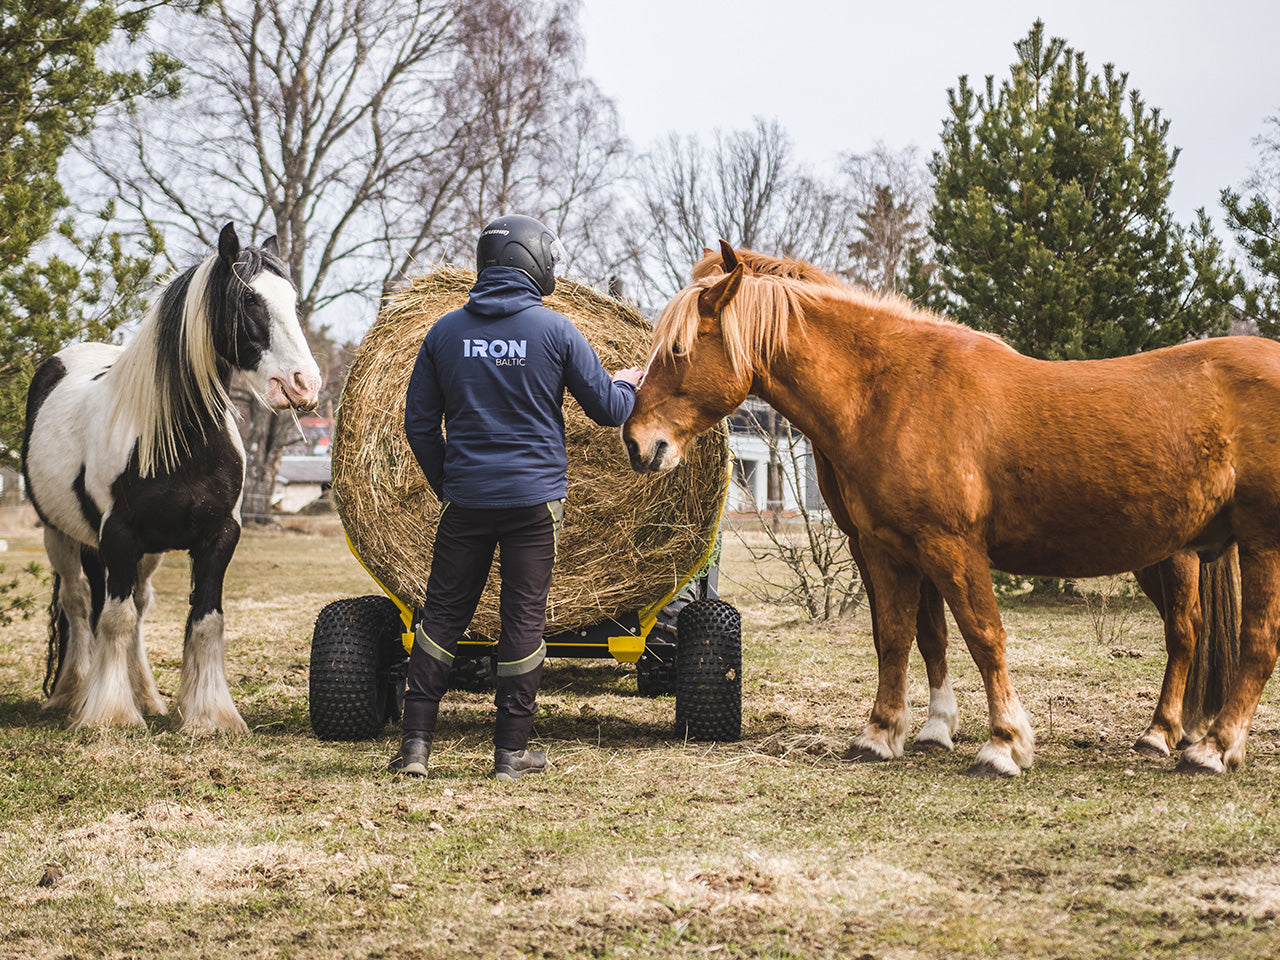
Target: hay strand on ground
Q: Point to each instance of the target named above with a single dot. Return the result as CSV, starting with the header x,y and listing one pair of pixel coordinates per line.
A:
x,y
628,538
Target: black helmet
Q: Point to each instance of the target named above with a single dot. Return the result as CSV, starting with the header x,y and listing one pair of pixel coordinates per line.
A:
x,y
523,243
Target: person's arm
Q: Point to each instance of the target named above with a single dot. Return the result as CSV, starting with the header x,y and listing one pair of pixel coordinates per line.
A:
x,y
605,400
423,412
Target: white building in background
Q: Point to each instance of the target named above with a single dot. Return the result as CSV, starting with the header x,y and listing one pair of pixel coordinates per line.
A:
x,y
772,467
12,486
301,482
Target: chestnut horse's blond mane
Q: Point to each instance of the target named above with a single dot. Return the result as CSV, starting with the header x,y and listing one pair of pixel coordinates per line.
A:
x,y
774,294
712,264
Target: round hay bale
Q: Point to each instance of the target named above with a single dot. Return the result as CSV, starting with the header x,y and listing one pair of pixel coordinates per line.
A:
x,y
628,538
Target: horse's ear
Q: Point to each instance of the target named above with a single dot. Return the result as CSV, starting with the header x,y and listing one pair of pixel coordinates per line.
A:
x,y
713,300
270,246
228,244
730,258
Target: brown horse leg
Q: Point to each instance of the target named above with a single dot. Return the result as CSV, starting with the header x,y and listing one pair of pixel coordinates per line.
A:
x,y
1223,747
1173,586
859,561
931,638
931,623
964,579
896,598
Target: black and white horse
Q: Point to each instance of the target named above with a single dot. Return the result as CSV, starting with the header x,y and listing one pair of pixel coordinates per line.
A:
x,y
132,451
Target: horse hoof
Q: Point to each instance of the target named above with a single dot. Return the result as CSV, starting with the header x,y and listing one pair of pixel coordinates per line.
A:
x,y
857,753
122,719
1194,768
986,770
934,736
210,728
1204,757
1151,749
930,746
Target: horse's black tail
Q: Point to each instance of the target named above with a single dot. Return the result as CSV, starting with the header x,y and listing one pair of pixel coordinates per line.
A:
x,y
58,630
1217,653
60,627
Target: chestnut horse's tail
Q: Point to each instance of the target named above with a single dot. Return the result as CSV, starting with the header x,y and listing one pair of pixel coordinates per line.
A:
x,y
1217,653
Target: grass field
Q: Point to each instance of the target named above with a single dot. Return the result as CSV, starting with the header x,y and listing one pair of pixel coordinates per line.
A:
x,y
149,844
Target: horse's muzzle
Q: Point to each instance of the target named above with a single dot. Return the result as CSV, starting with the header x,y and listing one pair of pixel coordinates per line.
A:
x,y
301,391
651,463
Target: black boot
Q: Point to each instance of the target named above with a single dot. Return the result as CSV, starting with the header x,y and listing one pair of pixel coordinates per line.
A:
x,y
415,748
514,764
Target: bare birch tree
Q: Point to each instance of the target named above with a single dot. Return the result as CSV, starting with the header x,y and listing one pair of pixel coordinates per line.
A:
x,y
747,188
543,140
371,137
303,118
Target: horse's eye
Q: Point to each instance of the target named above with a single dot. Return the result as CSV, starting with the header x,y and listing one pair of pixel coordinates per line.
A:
x,y
679,350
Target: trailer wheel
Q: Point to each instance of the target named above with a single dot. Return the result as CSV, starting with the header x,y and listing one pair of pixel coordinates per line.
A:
x,y
357,663
709,672
656,676
656,668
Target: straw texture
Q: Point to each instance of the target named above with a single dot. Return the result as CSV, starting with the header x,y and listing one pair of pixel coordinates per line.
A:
x,y
628,538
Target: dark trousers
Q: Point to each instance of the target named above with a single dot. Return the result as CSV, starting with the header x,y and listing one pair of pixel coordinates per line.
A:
x,y
463,553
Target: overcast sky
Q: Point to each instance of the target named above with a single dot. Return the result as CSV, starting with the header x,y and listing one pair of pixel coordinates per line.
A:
x,y
840,75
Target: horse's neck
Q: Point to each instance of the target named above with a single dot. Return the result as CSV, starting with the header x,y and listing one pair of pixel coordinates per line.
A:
x,y
822,383
171,421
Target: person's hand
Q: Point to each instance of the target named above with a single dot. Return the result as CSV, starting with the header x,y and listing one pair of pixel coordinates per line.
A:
x,y
631,375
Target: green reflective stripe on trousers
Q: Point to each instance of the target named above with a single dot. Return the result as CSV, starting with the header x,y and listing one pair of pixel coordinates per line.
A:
x,y
523,666
431,648
556,508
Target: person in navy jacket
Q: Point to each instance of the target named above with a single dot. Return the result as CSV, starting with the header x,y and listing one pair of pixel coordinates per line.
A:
x,y
494,373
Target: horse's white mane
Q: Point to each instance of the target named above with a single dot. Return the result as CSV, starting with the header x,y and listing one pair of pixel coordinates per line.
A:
x,y
157,411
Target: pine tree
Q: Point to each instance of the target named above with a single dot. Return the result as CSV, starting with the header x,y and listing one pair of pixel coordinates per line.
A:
x,y
888,238
56,283
1255,222
1051,216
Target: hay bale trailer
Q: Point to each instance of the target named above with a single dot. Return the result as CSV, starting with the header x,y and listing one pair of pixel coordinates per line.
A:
x,y
635,576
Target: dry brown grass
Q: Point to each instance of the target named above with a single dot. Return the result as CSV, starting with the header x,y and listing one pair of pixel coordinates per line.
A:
x,y
636,844
629,538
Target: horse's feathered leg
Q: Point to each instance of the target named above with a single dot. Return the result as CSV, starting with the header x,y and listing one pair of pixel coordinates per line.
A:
x,y
962,575
896,598
145,692
108,695
204,699
1223,746
73,599
931,638
1172,587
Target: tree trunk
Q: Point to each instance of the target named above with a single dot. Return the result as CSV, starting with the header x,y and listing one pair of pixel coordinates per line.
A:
x,y
264,438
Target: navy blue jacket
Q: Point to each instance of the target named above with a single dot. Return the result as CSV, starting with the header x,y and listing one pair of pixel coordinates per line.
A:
x,y
495,371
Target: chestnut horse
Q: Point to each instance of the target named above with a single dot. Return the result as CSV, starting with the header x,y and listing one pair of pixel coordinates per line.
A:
x,y
1199,619
952,453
